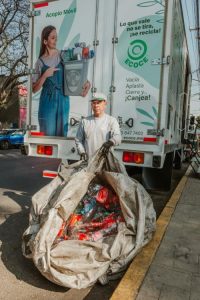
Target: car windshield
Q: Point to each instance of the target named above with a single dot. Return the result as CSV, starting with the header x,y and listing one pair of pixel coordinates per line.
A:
x,y
18,132
5,132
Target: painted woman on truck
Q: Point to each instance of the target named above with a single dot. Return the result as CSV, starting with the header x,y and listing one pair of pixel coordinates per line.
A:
x,y
54,106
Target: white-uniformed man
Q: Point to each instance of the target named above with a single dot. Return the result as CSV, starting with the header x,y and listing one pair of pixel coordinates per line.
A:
x,y
97,130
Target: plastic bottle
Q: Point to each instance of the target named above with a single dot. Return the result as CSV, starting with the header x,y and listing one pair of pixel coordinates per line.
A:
x,y
91,54
77,53
85,52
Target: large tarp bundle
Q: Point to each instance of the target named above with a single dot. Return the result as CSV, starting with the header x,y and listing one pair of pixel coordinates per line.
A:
x,y
79,263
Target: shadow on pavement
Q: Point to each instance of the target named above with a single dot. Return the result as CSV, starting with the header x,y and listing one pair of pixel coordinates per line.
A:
x,y
11,231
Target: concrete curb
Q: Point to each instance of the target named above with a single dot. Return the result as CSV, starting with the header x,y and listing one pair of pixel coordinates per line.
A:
x,y
130,284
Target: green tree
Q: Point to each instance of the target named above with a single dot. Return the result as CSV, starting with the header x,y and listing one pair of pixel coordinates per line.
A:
x,y
198,120
14,23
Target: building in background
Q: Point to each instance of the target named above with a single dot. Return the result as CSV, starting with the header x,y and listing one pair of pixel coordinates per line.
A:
x,y
13,113
22,106
9,112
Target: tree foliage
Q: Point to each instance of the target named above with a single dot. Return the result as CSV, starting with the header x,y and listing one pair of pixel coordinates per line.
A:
x,y
13,47
198,120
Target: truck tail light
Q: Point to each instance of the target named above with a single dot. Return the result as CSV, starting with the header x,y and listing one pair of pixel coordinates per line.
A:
x,y
49,174
39,5
36,133
133,157
44,150
150,139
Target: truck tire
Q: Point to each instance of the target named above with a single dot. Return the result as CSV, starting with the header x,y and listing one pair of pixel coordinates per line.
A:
x,y
5,145
24,149
132,170
178,159
159,179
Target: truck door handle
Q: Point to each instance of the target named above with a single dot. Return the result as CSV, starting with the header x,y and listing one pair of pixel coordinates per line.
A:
x,y
129,122
73,121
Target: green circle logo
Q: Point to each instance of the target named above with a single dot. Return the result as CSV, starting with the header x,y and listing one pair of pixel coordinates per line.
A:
x,y
137,49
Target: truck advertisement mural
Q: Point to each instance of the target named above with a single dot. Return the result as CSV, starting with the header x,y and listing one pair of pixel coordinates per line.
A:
x,y
83,33
138,54
62,62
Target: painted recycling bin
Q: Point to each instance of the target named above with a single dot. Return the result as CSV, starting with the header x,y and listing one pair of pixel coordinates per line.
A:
x,y
76,61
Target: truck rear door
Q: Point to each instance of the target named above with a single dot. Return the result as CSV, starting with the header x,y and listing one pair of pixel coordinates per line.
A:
x,y
75,22
137,68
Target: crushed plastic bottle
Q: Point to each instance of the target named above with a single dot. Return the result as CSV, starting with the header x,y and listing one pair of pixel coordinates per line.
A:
x,y
97,216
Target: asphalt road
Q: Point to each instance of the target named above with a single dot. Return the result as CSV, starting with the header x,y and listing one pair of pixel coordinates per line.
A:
x,y
20,178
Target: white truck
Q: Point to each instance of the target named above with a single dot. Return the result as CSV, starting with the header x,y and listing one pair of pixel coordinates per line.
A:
x,y
139,60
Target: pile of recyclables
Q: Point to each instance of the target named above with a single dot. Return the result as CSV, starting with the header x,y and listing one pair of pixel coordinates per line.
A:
x,y
88,223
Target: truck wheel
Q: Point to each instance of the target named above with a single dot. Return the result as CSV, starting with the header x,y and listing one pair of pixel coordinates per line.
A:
x,y
132,170
24,149
178,159
159,179
5,145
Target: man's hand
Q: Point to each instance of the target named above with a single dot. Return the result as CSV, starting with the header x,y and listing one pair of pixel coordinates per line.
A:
x,y
106,146
84,156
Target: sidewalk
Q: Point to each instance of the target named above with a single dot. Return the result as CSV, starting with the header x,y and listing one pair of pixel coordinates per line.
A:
x,y
168,268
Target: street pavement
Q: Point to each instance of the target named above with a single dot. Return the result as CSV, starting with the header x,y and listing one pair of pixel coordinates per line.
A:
x,y
19,279
172,275
175,271
168,268
21,177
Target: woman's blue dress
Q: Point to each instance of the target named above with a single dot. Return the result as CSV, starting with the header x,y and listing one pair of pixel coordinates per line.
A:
x,y
54,106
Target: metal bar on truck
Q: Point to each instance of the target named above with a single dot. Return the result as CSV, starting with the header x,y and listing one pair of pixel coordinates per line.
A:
x,y
112,87
95,46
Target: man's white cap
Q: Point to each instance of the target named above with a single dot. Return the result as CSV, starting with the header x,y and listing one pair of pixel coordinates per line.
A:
x,y
99,96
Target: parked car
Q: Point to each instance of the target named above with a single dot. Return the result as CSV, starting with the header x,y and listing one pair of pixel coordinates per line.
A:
x,y
11,138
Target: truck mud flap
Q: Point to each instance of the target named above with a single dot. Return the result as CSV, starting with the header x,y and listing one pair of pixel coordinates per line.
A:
x,y
159,179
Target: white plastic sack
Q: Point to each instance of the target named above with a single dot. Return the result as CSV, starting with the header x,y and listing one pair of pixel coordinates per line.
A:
x,y
75,263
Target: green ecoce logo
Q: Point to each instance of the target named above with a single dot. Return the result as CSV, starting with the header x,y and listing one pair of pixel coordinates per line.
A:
x,y
136,54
